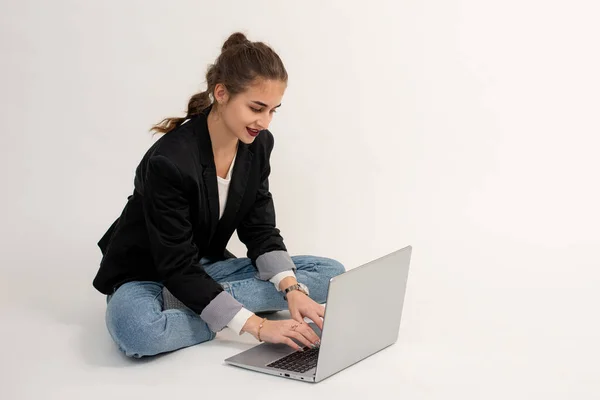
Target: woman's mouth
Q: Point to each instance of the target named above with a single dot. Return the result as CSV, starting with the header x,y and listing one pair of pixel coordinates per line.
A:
x,y
253,132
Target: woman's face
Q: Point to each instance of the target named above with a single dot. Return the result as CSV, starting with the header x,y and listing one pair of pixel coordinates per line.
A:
x,y
248,113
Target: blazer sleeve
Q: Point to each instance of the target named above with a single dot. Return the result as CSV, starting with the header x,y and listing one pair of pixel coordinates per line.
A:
x,y
175,254
259,233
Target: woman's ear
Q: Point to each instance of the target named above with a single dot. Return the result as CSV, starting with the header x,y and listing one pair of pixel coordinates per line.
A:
x,y
221,94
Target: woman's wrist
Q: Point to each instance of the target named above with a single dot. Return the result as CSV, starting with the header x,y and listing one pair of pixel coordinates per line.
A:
x,y
287,282
294,294
252,324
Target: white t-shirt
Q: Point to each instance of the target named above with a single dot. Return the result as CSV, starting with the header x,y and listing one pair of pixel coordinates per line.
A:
x,y
223,184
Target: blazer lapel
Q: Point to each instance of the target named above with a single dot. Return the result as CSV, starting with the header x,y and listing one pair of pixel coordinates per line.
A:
x,y
209,175
209,170
237,187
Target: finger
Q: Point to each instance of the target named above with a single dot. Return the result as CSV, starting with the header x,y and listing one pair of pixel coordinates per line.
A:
x,y
321,311
299,337
310,334
316,319
297,316
291,343
319,307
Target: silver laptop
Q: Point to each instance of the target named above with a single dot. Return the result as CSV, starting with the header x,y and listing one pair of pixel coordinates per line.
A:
x,y
362,317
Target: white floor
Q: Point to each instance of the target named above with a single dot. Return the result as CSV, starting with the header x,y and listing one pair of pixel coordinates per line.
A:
x,y
486,335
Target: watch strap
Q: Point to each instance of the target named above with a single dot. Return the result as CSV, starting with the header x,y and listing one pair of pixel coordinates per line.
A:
x,y
292,288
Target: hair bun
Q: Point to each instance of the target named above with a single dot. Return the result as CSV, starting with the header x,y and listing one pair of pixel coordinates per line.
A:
x,y
235,39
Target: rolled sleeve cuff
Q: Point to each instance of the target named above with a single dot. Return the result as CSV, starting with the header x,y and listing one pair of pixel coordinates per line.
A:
x,y
220,311
238,322
274,262
276,280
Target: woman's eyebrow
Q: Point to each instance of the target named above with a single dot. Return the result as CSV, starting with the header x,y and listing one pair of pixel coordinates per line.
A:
x,y
264,105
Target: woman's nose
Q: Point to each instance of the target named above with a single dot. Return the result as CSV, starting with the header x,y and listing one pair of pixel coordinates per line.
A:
x,y
263,124
264,121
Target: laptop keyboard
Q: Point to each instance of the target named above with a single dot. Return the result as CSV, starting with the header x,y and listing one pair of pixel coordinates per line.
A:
x,y
300,361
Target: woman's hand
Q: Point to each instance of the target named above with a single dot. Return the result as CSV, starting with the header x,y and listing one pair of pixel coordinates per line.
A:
x,y
283,331
301,306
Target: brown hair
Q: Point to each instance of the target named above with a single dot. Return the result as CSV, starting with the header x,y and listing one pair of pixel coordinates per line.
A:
x,y
239,64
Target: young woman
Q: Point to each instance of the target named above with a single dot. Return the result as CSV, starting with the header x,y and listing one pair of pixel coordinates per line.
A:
x,y
169,280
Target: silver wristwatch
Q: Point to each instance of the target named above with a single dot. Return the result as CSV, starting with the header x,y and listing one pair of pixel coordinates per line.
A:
x,y
299,286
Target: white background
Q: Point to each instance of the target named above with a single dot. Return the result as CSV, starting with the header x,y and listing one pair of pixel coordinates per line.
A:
x,y
468,129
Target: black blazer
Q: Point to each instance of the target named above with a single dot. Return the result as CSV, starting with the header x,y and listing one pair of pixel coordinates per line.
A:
x,y
172,220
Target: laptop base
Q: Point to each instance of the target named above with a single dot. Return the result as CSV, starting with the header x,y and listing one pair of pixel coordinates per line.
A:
x,y
258,357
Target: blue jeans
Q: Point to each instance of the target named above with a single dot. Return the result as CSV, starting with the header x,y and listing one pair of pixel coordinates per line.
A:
x,y
140,327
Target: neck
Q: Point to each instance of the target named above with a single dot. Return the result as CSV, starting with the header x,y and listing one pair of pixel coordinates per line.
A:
x,y
223,141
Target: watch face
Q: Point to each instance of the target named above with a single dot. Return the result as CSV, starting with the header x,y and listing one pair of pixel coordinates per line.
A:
x,y
303,287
